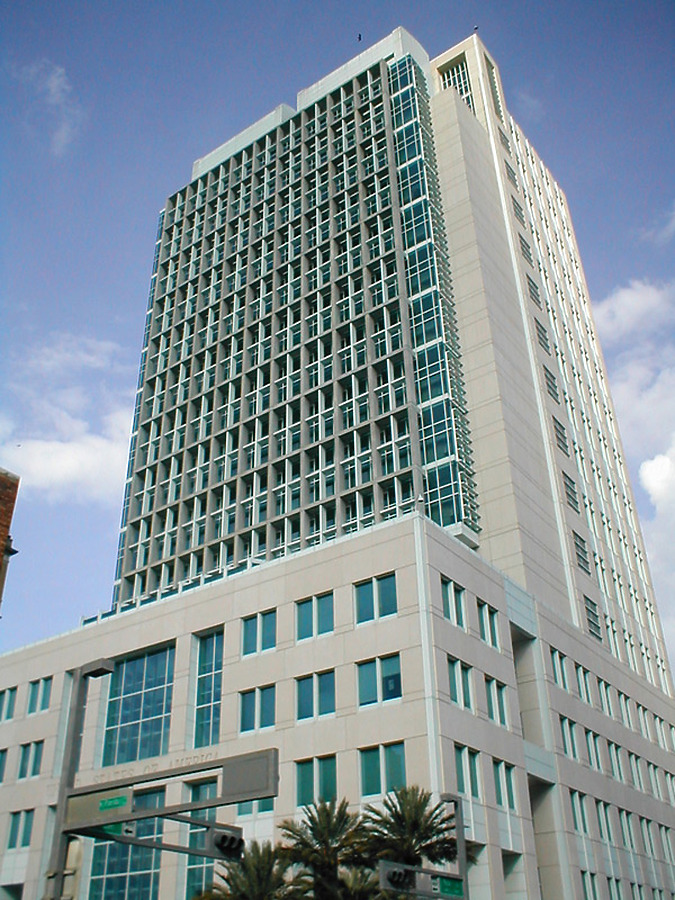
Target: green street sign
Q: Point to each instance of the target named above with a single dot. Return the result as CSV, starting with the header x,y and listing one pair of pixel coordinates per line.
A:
x,y
113,802
447,886
105,806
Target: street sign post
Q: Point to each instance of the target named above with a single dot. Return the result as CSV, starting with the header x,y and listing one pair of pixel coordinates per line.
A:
x,y
98,806
109,813
415,881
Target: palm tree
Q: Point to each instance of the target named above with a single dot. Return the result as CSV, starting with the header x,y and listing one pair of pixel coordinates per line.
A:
x,y
261,874
327,839
360,883
409,829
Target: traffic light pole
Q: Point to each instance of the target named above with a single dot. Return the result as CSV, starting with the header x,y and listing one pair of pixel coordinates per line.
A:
x,y
71,760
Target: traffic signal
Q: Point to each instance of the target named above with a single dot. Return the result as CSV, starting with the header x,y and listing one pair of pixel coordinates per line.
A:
x,y
226,841
401,878
397,877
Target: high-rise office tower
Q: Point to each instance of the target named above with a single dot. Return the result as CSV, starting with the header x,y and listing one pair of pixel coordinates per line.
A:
x,y
377,513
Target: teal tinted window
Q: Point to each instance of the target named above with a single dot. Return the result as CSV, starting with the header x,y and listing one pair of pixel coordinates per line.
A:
x,y
305,619
367,683
473,773
259,632
249,635
139,708
365,608
324,613
24,756
46,693
304,774
326,692
20,829
394,766
314,616
267,698
14,826
391,677
459,768
33,692
7,703
327,778
268,630
209,688
305,697
247,721
386,586
370,771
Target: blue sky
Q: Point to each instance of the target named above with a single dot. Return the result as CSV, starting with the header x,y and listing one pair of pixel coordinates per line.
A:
x,y
104,108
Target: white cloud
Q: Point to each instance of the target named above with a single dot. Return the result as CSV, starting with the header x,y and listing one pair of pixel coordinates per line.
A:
x,y
67,435
637,331
636,324
664,231
636,311
60,111
657,476
86,467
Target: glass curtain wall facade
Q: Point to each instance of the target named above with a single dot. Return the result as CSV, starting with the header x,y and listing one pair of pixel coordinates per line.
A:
x,y
301,374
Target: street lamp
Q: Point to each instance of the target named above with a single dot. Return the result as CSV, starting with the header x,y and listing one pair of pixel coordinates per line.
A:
x,y
71,761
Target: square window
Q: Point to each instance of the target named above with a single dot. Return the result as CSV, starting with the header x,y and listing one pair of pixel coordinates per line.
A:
x,y
316,779
259,632
379,679
314,616
375,597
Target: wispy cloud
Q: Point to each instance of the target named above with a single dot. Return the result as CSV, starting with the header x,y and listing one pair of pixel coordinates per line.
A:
x,y
54,104
66,353
68,434
528,107
663,231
